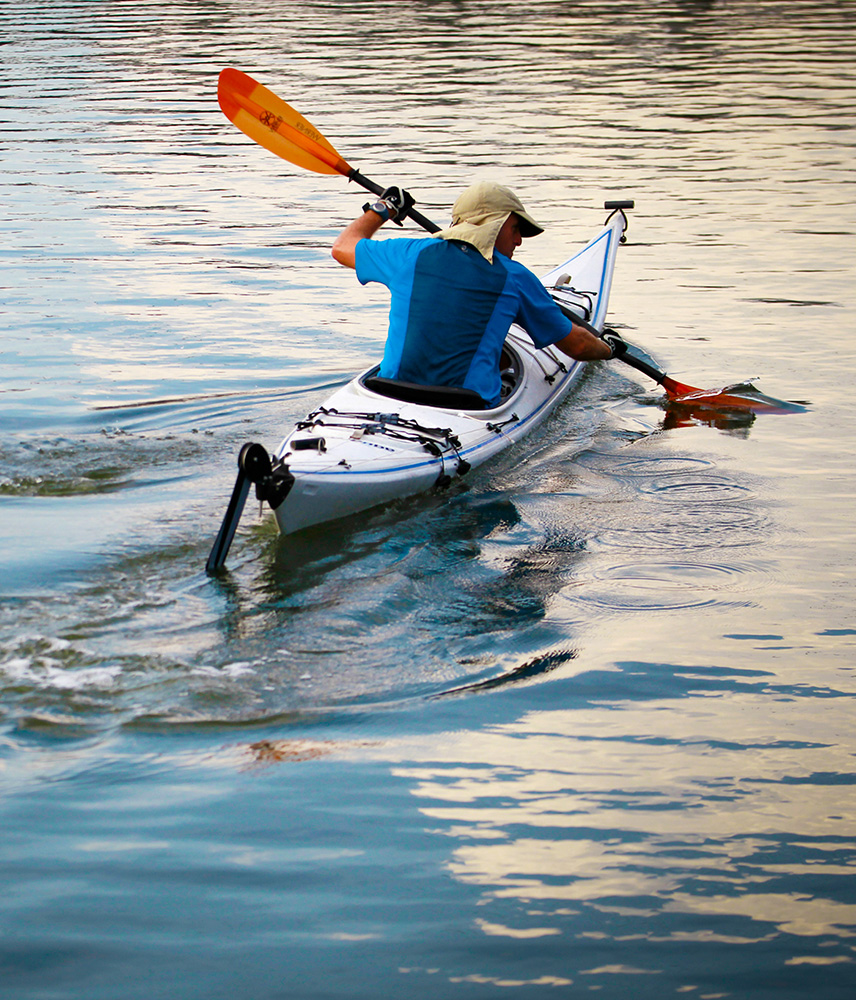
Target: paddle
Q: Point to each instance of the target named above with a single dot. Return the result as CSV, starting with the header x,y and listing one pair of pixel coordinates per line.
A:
x,y
272,123
733,397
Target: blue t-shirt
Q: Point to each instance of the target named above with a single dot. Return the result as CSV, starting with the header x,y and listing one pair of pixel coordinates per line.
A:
x,y
451,310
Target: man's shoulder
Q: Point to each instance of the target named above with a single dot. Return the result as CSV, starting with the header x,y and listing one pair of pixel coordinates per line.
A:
x,y
520,273
376,258
396,244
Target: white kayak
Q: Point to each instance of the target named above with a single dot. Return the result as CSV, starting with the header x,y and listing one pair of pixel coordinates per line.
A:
x,y
377,440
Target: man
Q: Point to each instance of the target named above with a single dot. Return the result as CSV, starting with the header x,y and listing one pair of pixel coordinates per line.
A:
x,y
454,297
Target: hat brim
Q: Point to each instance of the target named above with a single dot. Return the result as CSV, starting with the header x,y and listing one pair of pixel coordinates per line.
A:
x,y
528,226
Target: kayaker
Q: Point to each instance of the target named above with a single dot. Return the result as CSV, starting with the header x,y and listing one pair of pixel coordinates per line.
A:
x,y
454,296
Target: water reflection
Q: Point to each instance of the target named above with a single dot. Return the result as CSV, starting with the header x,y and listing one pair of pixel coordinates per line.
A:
x,y
632,809
736,422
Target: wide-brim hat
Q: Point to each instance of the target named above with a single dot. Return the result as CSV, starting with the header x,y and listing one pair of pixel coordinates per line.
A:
x,y
480,212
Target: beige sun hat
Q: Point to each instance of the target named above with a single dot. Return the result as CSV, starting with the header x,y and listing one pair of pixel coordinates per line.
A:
x,y
479,214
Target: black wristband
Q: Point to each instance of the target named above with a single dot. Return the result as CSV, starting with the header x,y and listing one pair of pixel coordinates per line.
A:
x,y
380,208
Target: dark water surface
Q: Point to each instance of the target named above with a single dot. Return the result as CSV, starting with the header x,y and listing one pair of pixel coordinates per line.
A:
x,y
583,725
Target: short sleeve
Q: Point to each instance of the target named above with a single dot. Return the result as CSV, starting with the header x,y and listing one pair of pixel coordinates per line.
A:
x,y
386,261
538,314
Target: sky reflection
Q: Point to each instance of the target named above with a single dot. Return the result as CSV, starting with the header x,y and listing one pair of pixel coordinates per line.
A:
x,y
701,809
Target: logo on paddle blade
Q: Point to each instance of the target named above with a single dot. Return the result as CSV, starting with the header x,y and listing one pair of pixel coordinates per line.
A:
x,y
271,120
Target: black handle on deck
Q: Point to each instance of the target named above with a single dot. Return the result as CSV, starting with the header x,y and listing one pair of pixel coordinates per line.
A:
x,y
615,205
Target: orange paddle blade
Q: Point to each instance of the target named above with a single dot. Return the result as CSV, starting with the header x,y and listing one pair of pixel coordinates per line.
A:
x,y
743,396
675,389
272,123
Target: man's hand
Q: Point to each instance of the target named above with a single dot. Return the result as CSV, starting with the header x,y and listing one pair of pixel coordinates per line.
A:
x,y
393,204
614,342
400,201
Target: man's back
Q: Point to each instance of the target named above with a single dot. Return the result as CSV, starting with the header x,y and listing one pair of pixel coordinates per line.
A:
x,y
454,298
451,310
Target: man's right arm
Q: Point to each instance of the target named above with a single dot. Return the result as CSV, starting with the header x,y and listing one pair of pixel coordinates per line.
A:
x,y
345,245
394,204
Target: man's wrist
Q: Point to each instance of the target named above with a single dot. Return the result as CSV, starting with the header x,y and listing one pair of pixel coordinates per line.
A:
x,y
381,208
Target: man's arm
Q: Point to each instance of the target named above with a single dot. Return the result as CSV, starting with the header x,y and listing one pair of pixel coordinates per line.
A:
x,y
581,345
344,247
393,204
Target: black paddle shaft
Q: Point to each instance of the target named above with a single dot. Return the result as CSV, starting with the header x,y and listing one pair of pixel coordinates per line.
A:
x,y
370,185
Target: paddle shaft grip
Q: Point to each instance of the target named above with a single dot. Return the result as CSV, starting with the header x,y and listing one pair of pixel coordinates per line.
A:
x,y
369,185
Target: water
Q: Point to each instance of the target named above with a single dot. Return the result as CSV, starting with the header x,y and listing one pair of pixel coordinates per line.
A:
x,y
583,725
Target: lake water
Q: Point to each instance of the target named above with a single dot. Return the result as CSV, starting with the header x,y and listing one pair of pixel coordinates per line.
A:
x,y
583,726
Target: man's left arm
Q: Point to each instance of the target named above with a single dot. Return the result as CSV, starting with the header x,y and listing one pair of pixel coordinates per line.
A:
x,y
581,345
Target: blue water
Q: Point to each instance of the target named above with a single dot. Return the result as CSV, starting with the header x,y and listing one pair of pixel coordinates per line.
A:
x,y
583,724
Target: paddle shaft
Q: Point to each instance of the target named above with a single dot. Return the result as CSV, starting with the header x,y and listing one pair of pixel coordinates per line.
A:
x,y
369,185
672,387
661,378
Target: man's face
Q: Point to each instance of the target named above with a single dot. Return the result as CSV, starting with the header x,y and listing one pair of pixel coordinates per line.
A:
x,y
509,238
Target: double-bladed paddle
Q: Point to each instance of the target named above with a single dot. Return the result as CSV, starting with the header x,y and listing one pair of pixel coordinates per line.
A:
x,y
272,123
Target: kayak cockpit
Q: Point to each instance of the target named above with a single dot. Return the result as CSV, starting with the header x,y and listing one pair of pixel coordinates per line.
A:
x,y
447,397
